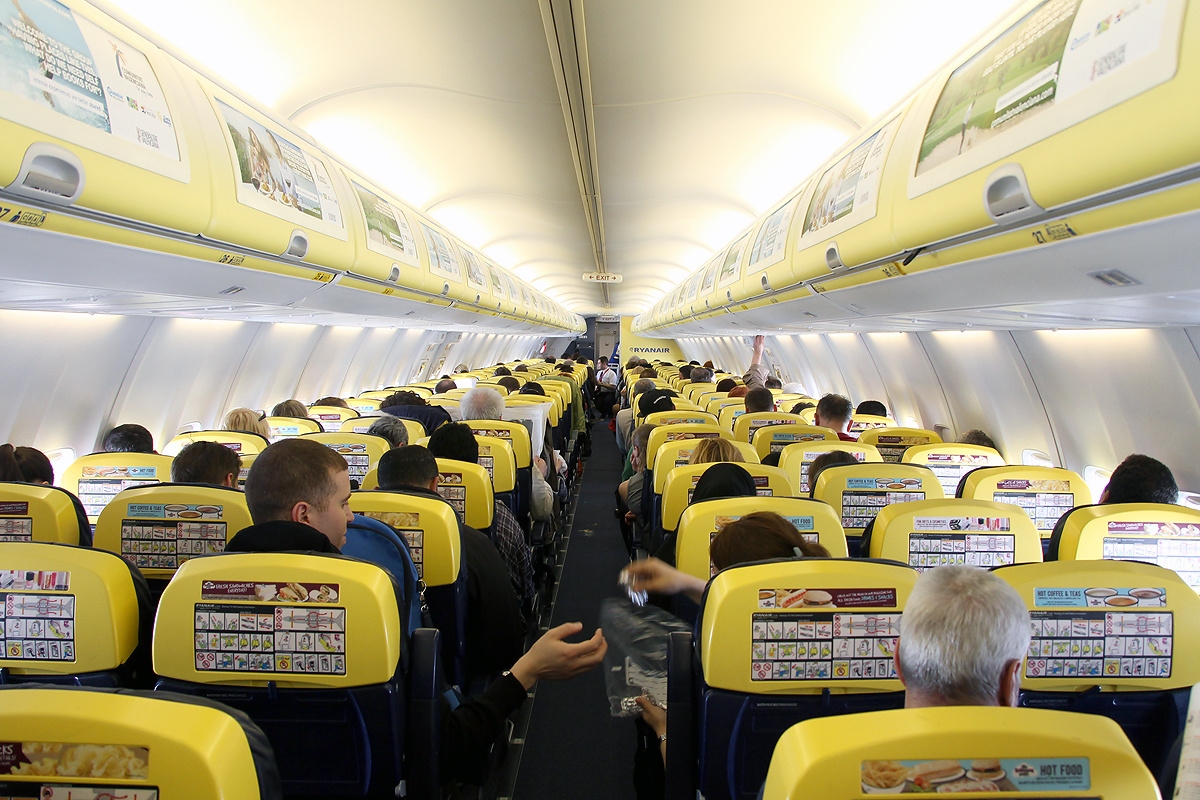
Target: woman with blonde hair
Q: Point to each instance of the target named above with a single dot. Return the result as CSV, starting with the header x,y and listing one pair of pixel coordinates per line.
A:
x,y
246,420
710,451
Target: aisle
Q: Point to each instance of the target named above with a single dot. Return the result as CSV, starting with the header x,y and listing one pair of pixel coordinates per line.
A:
x,y
574,748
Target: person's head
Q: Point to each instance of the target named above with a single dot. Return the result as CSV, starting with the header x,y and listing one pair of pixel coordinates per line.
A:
x,y
403,398
831,459
724,480
290,408
649,372
710,451
390,428
739,391
631,363
331,401
773,383
9,469
455,441
602,362
206,462
637,451
508,382
481,403
501,371
461,368
801,406
962,636
759,536
444,385
833,411
978,438
709,364
412,467
655,400
725,384
128,439
701,375
533,387
521,368
685,372
550,359
246,420
299,480
759,399
793,388
35,467
566,368
872,407
1141,479
642,386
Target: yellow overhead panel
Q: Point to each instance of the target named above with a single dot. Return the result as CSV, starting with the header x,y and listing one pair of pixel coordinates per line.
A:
x,y
388,245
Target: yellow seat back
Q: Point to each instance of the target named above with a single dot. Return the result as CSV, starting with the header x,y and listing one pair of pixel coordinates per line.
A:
x,y
843,613
64,610
1041,753
96,478
775,436
365,405
468,489
30,512
284,427
932,533
429,525
1119,625
701,522
680,417
1046,493
363,424
498,460
498,388
157,528
865,422
300,620
730,413
238,441
691,391
331,417
746,425
670,433
893,442
679,452
516,434
1158,533
145,744
681,482
860,491
950,461
362,451
795,458
720,402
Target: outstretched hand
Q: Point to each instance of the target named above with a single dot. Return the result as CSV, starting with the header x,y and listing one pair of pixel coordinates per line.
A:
x,y
659,577
553,658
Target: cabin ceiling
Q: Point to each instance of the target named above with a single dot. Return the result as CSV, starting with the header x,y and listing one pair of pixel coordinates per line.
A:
x,y
683,119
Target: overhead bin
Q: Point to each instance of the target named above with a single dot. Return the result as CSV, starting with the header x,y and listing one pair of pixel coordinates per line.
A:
x,y
386,242
92,115
769,262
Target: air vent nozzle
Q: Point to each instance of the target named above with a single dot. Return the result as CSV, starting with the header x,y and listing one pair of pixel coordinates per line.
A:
x,y
1114,278
232,290
1006,195
298,246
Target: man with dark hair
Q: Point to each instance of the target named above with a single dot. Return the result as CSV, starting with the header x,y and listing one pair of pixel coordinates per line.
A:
x,y
685,372
833,411
521,368
129,439
1140,479
510,383
298,492
872,407
331,401
444,385
725,384
978,438
456,441
759,399
410,405
501,372
773,383
206,462
624,427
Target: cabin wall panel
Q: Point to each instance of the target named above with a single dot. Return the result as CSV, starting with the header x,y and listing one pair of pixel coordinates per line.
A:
x,y
914,396
861,376
406,345
270,371
368,363
326,372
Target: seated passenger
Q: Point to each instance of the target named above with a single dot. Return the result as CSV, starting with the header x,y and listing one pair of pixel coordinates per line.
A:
x,y
773,383
410,405
718,481
455,441
830,459
206,462
508,382
725,384
701,375
793,388
978,438
759,399
631,492
624,425
495,629
128,438
739,391
1140,479
833,411
482,403
872,407
246,420
331,401
299,497
9,469
290,408
963,634
390,428
521,368
710,451
685,372
29,465
501,371
444,385
801,406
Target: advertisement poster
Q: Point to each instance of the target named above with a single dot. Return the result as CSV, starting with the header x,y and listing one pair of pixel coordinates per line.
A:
x,y
74,68
1056,51
512,290
475,277
497,283
388,232
848,191
731,266
442,258
710,276
275,174
771,240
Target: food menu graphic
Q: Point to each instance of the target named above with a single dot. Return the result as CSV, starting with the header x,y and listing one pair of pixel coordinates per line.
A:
x,y
782,440
72,67
73,760
99,484
893,448
807,461
950,467
859,507
1130,644
38,627
408,525
1043,500
1175,546
358,461
978,775
450,487
270,638
822,646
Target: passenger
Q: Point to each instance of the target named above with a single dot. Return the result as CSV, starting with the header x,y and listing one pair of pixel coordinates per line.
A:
x,y
685,372
801,406
444,385
831,459
578,416
979,438
759,399
245,420
206,462
711,451
773,383
510,383
630,493
872,407
649,372
332,401
963,634
501,371
1140,479
410,405
456,441
739,391
793,388
833,411
521,368
702,375
10,470
298,492
35,467
725,384
718,481
482,403
129,438
390,428
290,408
533,387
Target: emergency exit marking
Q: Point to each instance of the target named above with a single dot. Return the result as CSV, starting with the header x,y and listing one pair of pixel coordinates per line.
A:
x,y
601,277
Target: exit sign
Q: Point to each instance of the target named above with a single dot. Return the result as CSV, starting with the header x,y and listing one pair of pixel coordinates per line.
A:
x,y
601,277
